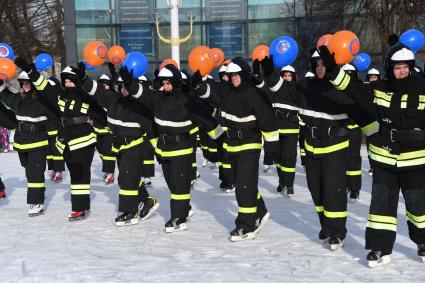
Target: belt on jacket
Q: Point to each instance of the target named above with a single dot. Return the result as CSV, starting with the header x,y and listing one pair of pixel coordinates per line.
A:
x,y
330,132
395,135
287,115
241,133
66,122
31,127
174,139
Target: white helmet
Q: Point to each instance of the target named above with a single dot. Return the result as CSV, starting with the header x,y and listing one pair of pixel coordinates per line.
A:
x,y
23,76
288,68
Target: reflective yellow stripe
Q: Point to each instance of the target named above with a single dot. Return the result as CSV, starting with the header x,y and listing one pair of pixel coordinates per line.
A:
x,y
258,195
40,83
49,157
149,162
180,197
371,129
271,136
212,149
328,149
110,158
382,102
247,209
71,105
320,208
30,145
60,146
382,159
353,126
154,142
102,130
127,146
82,139
126,192
418,221
57,157
220,164
382,95
335,214
285,169
204,147
194,165
382,219
243,147
174,153
381,226
194,130
36,185
52,133
342,80
344,83
92,140
81,189
354,173
289,131
227,165
215,133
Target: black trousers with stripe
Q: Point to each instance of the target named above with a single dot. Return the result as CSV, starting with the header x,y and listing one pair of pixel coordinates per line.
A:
x,y
79,165
327,182
104,147
148,163
386,185
132,191
250,204
34,163
55,159
288,159
354,170
178,174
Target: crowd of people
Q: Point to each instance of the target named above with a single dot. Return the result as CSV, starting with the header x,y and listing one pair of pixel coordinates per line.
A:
x,y
249,109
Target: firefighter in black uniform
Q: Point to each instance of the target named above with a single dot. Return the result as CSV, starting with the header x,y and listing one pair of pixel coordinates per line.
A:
x,y
247,118
354,170
397,152
285,101
175,113
8,121
31,140
325,114
128,132
104,138
76,139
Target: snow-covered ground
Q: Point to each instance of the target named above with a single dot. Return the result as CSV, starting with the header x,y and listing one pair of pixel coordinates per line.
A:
x,y
48,248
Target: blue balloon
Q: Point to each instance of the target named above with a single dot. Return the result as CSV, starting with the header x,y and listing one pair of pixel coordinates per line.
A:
x,y
413,39
362,62
284,50
89,67
6,51
137,62
43,62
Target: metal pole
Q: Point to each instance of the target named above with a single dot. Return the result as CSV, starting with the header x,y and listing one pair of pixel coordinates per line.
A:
x,y
175,33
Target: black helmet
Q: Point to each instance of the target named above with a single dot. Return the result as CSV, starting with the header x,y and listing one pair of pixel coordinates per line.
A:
x,y
398,53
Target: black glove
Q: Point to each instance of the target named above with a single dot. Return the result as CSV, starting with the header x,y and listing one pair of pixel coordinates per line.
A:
x,y
256,67
24,65
267,65
126,76
332,69
80,71
196,79
113,72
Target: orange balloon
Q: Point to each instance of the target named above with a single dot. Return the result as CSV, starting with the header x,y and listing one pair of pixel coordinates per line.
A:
x,y
7,69
260,52
201,58
116,54
324,40
95,53
345,45
167,62
218,56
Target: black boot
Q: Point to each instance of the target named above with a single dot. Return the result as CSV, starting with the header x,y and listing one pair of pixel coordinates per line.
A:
x,y
421,251
175,225
148,207
126,219
378,258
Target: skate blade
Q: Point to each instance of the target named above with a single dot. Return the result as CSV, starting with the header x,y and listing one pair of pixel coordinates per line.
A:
x,y
335,247
422,258
263,223
35,214
129,222
247,236
377,263
72,219
190,213
354,200
229,191
153,209
180,227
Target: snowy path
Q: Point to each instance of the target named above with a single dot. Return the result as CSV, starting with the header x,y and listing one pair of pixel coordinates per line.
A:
x,y
48,248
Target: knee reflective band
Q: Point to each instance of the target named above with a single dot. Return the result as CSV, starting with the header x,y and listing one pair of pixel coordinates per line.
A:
x,y
285,169
227,165
320,209
354,173
418,221
35,185
194,165
110,158
247,209
129,192
381,222
148,162
180,197
331,214
80,189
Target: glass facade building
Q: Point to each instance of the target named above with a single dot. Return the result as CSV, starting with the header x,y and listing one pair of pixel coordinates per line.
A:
x,y
235,26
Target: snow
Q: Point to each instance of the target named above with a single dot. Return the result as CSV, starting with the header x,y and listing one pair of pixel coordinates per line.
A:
x,y
48,248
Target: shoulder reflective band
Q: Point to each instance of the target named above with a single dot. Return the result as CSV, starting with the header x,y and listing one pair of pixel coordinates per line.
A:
x,y
129,192
172,124
418,221
328,149
242,147
285,106
382,95
247,209
234,118
342,80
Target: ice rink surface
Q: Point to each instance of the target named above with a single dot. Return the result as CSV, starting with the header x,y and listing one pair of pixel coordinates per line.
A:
x,y
48,248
